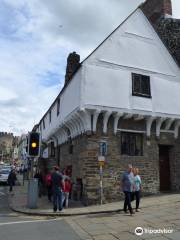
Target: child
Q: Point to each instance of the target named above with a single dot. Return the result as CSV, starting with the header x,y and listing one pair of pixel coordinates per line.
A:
x,y
49,186
67,189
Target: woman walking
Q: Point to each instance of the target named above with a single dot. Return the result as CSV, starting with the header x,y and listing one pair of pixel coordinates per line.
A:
x,y
137,187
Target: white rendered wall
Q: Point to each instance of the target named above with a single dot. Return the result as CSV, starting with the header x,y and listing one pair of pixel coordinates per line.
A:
x,y
69,101
133,47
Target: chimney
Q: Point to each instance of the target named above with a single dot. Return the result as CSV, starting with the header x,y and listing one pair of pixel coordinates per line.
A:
x,y
156,9
73,63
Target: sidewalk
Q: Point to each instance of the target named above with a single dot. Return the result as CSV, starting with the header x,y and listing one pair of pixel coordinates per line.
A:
x,y
18,203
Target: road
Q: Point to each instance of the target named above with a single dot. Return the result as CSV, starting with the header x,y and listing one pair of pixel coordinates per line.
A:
x,y
15,227
110,226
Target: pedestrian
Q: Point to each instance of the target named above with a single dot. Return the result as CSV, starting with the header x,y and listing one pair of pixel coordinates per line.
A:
x,y
127,187
12,179
138,187
48,181
66,190
57,183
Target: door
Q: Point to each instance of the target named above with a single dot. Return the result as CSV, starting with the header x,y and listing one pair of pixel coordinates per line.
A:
x,y
164,168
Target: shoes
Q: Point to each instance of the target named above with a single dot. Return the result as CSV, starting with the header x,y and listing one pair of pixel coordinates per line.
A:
x,y
55,209
132,212
60,209
125,211
137,210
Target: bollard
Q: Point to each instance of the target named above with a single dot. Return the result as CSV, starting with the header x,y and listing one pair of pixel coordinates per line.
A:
x,y
32,193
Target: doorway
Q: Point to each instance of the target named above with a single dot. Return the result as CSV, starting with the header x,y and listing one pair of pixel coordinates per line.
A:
x,y
164,168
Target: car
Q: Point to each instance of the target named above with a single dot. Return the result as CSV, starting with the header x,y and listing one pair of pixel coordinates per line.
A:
x,y
4,173
9,168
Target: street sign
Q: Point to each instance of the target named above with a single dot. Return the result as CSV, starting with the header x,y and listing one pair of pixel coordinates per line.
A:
x,y
101,161
103,148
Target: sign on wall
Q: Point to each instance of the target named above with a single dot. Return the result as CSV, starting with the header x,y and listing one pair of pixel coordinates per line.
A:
x,y
103,148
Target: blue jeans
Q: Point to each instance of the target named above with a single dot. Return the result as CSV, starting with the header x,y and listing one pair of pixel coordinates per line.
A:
x,y
57,199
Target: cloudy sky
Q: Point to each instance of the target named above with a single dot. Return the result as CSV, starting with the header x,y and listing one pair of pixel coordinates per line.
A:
x,y
35,39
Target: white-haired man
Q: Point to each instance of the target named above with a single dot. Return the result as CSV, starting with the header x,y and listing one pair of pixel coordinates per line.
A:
x,y
127,187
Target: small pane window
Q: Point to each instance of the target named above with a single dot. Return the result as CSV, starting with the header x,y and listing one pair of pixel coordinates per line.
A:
x,y
43,124
141,85
131,144
58,106
52,149
49,116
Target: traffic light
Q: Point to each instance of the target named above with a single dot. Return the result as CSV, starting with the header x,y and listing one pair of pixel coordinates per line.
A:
x,y
34,144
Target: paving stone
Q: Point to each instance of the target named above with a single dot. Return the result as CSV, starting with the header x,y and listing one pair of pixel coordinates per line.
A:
x,y
174,236
127,236
104,237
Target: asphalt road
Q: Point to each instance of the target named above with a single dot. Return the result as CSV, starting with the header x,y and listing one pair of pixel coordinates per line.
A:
x,y
16,227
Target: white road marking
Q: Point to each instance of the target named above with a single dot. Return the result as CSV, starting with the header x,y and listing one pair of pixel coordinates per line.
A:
x,y
32,221
2,194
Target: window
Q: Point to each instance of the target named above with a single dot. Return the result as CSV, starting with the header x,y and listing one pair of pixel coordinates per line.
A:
x,y
58,106
49,116
141,85
132,144
44,124
52,149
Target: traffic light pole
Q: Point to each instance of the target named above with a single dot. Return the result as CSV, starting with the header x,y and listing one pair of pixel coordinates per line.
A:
x,y
33,151
32,168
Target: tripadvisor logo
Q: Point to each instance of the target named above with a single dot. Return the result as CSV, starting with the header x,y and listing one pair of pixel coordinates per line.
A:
x,y
139,231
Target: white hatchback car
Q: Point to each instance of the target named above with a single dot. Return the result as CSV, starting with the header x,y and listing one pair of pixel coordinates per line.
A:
x,y
4,173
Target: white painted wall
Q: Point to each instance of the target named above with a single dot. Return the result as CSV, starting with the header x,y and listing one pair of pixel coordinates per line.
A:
x,y
104,80
69,101
133,47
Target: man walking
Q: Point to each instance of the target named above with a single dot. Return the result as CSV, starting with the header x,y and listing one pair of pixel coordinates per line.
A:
x,y
127,187
11,179
57,183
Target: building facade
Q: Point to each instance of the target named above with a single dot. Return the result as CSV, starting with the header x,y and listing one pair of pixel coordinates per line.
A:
x,y
122,102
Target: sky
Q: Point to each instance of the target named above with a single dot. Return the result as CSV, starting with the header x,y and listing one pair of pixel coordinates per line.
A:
x,y
36,37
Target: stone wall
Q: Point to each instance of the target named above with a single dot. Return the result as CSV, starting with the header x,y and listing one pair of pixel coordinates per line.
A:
x,y
84,160
159,14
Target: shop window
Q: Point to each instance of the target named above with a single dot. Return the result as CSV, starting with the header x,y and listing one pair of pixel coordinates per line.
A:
x,y
131,144
141,85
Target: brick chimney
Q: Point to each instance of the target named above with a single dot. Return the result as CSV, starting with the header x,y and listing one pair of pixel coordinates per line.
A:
x,y
156,9
73,63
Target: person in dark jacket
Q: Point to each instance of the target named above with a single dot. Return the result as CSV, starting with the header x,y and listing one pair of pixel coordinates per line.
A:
x,y
57,184
11,179
38,175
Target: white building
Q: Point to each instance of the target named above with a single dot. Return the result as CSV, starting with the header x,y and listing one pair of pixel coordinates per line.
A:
x,y
126,94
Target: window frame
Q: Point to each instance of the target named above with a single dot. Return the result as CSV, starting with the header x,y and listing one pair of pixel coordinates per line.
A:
x,y
58,106
131,135
50,116
52,150
44,126
140,94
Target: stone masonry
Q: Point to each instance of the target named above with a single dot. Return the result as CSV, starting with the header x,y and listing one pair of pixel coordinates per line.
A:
x,y
84,161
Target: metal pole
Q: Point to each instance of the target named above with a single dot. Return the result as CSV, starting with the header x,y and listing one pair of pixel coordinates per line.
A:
x,y
101,184
32,168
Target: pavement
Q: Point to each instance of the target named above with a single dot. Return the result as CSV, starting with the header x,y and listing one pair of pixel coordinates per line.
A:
x,y
158,219
18,203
